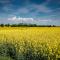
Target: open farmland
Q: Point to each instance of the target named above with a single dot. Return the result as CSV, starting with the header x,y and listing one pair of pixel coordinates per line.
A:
x,y
30,43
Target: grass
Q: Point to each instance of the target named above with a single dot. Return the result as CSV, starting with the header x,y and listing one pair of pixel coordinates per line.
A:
x,y
30,43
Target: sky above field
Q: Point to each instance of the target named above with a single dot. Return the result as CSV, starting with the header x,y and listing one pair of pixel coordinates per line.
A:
x,y
30,11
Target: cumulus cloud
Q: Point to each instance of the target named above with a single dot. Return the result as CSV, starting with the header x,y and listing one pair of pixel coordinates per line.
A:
x,y
28,20
21,20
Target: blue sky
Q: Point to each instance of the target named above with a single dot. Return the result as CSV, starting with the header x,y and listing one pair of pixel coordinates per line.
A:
x,y
30,11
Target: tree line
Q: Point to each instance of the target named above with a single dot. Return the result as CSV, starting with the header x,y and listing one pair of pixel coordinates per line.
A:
x,y
25,25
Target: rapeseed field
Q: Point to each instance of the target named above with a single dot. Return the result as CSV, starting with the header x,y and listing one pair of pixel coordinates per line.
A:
x,y
30,43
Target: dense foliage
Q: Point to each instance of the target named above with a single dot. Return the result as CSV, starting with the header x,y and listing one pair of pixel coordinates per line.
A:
x,y
25,25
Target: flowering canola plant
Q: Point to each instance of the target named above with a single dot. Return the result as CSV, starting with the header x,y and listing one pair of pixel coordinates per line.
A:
x,y
35,41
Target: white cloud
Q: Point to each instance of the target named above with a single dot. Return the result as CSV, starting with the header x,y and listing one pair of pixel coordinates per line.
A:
x,y
21,20
45,20
13,18
28,20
